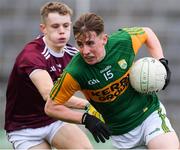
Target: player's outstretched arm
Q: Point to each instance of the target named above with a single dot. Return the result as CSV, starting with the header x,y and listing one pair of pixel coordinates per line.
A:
x,y
98,129
76,102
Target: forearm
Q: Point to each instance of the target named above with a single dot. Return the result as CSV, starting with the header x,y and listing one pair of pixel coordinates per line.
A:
x,y
153,44
63,113
76,102
98,129
43,82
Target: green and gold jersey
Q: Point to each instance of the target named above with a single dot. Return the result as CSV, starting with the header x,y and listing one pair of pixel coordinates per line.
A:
x,y
106,84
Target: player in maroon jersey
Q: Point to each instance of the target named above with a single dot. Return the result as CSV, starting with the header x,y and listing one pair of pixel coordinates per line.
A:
x,y
35,69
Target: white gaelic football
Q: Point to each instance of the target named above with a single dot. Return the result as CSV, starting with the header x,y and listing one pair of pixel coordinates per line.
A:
x,y
147,75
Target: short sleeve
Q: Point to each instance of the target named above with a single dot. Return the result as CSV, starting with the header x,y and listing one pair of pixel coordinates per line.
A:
x,y
30,60
138,36
64,88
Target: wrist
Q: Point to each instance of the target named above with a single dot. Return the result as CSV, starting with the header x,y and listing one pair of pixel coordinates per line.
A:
x,y
164,61
86,106
84,118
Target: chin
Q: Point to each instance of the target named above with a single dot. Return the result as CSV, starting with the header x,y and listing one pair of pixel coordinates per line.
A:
x,y
61,45
91,62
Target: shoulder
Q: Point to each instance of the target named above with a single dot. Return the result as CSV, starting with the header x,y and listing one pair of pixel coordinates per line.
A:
x,y
126,34
135,31
32,51
71,50
118,38
35,46
76,65
76,60
119,35
138,36
128,31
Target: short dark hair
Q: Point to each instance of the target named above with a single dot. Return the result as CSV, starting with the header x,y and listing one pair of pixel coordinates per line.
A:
x,y
88,22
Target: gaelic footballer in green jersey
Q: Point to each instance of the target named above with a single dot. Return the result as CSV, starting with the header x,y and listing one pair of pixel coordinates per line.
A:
x,y
101,71
106,84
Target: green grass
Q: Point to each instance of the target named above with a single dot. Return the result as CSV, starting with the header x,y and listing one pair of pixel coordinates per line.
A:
x,y
4,144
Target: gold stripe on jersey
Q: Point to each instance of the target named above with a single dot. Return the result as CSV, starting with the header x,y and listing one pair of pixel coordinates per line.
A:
x,y
57,85
138,36
110,92
62,90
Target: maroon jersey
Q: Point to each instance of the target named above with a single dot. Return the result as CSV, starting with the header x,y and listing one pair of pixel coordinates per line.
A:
x,y
25,105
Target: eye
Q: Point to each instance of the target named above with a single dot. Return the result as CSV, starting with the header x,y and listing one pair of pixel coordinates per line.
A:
x,y
90,43
55,26
79,44
66,25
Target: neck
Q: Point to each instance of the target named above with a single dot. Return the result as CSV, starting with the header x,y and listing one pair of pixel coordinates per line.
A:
x,y
49,45
104,54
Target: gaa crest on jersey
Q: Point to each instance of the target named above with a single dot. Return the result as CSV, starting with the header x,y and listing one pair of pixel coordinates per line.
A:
x,y
122,63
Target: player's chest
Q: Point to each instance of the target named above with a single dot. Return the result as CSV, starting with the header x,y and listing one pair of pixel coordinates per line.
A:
x,y
56,66
105,74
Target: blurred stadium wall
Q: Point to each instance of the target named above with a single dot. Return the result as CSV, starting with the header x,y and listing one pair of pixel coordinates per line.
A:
x,y
19,23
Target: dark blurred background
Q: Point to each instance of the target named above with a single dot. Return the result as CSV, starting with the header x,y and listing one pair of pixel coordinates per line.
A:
x,y
19,23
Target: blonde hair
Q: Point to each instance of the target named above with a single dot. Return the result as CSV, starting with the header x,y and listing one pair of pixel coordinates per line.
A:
x,y
58,7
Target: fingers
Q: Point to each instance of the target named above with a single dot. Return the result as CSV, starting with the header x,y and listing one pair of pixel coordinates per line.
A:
x,y
98,129
101,133
95,137
99,137
105,131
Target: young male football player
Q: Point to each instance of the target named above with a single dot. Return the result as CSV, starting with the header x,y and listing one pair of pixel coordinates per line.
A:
x,y
36,68
131,119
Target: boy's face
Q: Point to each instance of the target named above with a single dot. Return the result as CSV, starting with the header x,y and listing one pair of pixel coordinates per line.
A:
x,y
91,46
56,30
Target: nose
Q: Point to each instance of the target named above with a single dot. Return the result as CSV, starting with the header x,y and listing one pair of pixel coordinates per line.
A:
x,y
85,50
61,30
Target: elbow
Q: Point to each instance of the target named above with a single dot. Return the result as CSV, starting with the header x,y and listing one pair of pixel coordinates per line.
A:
x,y
48,108
146,28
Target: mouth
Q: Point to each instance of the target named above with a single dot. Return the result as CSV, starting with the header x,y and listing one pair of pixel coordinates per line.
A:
x,y
62,40
89,58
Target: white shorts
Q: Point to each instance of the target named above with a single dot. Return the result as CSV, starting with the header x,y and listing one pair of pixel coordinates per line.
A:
x,y
27,138
156,124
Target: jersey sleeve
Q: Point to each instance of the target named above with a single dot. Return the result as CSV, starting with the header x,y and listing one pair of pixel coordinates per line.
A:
x,y
64,88
138,36
31,60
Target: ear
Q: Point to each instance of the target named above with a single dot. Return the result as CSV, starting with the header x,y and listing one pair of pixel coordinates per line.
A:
x,y
43,28
105,38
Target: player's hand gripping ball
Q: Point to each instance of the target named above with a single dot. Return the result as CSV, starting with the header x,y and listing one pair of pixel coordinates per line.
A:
x,y
147,75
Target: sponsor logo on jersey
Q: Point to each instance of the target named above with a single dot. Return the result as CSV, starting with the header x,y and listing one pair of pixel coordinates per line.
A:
x,y
122,63
54,69
93,81
111,91
105,69
59,66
